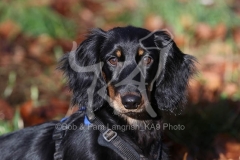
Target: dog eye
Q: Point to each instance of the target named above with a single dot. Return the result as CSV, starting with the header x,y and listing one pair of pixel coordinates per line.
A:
x,y
113,61
147,60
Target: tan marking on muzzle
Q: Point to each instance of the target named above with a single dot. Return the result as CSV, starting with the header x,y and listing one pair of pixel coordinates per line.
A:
x,y
104,76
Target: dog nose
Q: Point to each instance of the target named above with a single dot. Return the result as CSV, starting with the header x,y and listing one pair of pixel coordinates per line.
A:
x,y
131,101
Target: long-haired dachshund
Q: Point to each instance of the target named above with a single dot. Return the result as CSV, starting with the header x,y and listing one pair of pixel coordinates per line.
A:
x,y
121,79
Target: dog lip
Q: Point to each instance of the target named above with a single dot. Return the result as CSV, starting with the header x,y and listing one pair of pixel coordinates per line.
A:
x,y
133,111
143,115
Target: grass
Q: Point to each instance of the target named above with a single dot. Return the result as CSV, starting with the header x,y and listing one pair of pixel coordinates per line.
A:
x,y
173,11
36,20
9,126
11,84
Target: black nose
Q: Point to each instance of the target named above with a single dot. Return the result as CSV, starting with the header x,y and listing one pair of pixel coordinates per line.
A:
x,y
131,101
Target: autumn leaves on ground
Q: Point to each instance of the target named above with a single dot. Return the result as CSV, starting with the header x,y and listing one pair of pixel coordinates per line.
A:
x,y
34,35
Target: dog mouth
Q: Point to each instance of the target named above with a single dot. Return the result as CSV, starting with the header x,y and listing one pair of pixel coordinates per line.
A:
x,y
143,115
135,111
139,113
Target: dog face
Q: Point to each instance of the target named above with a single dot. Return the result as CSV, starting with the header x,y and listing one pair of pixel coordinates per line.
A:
x,y
139,72
129,70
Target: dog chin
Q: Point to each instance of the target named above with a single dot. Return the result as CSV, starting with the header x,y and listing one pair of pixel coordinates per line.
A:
x,y
138,115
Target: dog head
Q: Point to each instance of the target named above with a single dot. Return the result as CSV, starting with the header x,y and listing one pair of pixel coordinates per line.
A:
x,y
137,72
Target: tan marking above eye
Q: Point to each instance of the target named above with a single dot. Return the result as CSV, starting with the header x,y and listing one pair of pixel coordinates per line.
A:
x,y
119,53
140,51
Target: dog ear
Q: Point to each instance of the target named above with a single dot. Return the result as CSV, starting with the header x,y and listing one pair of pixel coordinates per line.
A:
x,y
82,68
175,69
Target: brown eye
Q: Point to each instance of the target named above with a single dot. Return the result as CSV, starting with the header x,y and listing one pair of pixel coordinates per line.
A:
x,y
113,61
147,60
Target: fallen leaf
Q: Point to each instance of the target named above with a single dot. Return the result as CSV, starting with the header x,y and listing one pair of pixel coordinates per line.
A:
x,y
9,29
35,49
32,115
213,81
46,42
180,40
153,22
227,147
220,31
204,31
86,15
187,21
19,54
6,111
130,5
95,6
230,89
236,35
194,91
29,115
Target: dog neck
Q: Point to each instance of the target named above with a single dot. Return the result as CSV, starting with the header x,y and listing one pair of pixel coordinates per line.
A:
x,y
143,132
147,131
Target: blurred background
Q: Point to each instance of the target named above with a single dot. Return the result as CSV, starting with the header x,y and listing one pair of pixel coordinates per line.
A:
x,y
35,34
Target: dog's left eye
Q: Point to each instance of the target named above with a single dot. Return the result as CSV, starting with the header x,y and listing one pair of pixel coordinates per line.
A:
x,y
147,60
113,61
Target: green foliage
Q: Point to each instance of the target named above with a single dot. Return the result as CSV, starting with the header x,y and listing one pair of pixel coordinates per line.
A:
x,y
173,10
11,84
213,15
36,20
9,126
236,96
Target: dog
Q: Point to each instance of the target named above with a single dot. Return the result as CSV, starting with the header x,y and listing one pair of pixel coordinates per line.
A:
x,y
121,80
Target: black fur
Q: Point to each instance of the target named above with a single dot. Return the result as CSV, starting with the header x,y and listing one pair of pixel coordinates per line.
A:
x,y
161,80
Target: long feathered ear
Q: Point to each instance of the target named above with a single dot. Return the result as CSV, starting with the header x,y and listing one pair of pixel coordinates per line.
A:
x,y
82,68
175,69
